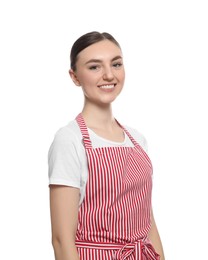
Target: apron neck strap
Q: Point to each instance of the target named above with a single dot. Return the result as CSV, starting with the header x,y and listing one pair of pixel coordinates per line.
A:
x,y
128,134
83,128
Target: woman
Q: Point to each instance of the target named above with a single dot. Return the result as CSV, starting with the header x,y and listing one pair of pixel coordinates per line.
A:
x,y
99,174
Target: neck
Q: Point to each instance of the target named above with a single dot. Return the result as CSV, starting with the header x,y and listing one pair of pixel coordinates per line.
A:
x,y
97,116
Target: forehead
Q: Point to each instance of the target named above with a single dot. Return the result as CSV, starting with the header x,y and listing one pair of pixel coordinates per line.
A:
x,y
102,50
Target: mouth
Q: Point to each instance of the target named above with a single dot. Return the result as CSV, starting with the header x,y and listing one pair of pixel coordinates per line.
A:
x,y
107,86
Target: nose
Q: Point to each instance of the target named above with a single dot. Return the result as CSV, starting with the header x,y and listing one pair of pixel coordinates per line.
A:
x,y
108,74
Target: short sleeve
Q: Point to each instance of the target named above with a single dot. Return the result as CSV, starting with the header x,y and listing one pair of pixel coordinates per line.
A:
x,y
144,143
63,160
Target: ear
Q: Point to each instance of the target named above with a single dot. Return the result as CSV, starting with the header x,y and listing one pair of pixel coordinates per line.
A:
x,y
74,77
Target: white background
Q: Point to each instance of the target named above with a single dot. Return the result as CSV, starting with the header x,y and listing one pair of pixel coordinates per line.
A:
x,y
166,58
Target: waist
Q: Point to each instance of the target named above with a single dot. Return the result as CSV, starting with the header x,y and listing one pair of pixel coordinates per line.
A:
x,y
138,248
102,245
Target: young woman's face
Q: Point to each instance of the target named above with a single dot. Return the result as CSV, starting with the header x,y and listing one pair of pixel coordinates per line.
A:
x,y
100,72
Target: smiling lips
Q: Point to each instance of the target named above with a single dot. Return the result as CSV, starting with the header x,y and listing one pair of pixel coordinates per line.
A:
x,y
107,86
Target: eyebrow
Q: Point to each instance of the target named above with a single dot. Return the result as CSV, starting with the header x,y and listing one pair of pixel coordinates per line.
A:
x,y
99,61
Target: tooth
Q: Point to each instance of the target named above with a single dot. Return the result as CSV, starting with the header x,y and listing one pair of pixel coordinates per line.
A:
x,y
107,86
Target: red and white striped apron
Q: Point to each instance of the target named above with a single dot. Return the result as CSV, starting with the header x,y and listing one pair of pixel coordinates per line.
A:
x,y
114,217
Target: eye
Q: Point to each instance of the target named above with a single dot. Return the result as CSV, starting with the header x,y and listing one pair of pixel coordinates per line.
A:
x,y
117,64
94,67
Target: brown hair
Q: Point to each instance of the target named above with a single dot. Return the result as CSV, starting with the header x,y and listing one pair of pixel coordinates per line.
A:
x,y
86,40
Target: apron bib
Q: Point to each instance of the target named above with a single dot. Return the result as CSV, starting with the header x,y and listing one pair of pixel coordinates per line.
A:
x,y
114,217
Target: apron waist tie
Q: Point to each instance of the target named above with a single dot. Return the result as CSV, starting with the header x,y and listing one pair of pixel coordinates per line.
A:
x,y
123,251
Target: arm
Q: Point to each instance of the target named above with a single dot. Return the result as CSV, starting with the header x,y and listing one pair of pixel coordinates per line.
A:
x,y
155,238
64,204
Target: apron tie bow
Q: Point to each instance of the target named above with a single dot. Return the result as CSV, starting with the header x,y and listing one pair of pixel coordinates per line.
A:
x,y
138,249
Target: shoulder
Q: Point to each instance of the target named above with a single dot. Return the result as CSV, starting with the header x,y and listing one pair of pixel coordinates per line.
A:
x,y
68,133
139,137
67,137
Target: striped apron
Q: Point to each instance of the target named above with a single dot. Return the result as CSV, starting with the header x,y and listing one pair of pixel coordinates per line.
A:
x,y
114,217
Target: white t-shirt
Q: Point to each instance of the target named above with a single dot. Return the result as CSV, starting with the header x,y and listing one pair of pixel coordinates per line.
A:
x,y
67,158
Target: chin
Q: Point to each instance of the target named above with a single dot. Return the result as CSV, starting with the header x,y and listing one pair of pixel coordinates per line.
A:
x,y
109,101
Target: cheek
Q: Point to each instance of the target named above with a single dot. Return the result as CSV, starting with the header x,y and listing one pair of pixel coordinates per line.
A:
x,y
122,76
86,78
82,78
